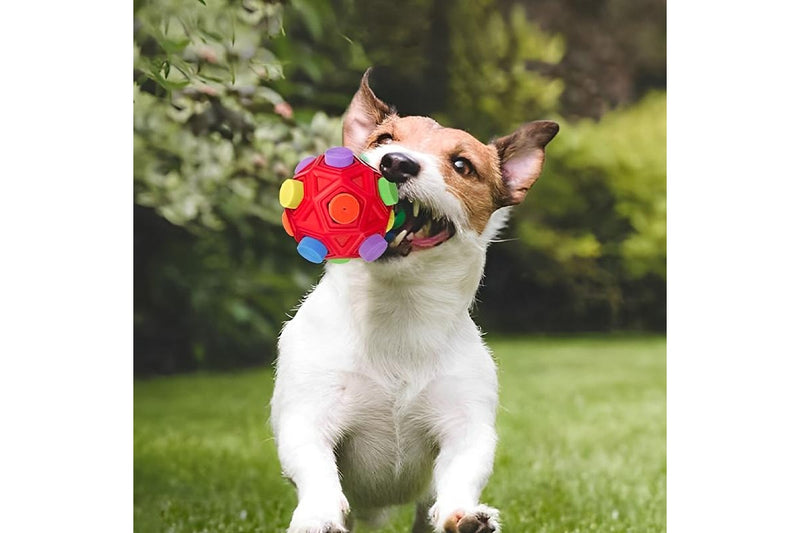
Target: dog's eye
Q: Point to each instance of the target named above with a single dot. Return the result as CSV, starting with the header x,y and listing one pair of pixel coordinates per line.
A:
x,y
463,166
384,138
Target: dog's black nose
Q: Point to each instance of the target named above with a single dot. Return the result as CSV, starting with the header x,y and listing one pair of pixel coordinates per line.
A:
x,y
397,167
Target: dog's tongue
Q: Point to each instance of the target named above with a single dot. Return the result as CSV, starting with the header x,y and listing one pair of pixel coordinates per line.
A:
x,y
428,242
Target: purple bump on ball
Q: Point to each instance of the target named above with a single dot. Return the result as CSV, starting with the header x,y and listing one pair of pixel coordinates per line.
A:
x,y
372,247
339,157
304,163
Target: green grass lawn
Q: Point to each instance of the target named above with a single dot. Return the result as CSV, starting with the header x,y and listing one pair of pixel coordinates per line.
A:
x,y
582,427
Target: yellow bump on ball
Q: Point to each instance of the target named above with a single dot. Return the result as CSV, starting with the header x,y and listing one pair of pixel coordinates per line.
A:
x,y
391,220
291,193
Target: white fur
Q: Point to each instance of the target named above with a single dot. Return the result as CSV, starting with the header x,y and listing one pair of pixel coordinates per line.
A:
x,y
385,392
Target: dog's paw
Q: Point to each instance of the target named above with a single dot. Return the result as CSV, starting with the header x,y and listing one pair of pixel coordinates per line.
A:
x,y
479,519
320,516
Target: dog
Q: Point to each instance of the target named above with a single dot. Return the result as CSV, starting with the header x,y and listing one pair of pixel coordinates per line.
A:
x,y
385,393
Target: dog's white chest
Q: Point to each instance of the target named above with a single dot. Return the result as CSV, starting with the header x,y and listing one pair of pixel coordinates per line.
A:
x,y
382,369
386,455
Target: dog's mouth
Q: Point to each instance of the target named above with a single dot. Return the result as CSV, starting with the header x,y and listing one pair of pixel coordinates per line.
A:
x,y
419,228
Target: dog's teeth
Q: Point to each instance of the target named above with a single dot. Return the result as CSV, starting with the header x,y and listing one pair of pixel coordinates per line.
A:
x,y
410,236
397,240
416,208
426,229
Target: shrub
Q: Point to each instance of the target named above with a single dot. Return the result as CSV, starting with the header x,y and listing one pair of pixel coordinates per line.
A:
x,y
212,142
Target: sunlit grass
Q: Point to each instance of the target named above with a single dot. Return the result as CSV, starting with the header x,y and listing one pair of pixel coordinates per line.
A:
x,y
582,447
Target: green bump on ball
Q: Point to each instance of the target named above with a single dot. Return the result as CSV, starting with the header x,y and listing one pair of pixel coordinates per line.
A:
x,y
339,260
388,191
399,218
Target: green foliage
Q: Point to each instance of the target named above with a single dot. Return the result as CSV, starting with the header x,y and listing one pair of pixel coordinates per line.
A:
x,y
581,444
592,233
623,154
321,61
213,139
229,95
628,148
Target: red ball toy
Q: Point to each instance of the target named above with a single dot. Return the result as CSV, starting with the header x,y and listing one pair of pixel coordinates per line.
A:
x,y
338,207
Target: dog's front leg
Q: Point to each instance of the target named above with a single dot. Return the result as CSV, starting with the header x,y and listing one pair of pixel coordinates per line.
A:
x,y
307,458
465,403
462,469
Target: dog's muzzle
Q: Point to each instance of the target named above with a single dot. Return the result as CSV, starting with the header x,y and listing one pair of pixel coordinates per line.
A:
x,y
398,168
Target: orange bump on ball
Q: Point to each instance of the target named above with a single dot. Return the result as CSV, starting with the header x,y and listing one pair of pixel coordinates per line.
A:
x,y
344,208
286,226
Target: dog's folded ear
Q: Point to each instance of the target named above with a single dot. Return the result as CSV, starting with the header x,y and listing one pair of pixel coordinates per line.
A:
x,y
365,112
522,157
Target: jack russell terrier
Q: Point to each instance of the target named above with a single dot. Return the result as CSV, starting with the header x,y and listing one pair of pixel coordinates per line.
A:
x,y
385,392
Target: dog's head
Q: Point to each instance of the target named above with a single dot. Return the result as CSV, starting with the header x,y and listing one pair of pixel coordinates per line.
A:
x,y
450,184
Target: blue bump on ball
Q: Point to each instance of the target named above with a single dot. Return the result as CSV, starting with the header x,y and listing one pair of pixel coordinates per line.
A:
x,y
312,250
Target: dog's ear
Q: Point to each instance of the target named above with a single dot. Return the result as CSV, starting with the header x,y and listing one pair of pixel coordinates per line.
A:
x,y
522,157
365,112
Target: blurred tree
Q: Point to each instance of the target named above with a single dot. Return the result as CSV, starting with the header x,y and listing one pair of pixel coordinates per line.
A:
x,y
471,63
491,84
616,53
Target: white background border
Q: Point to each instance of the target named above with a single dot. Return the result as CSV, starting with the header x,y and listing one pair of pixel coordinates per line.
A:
x,y
66,284
733,269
